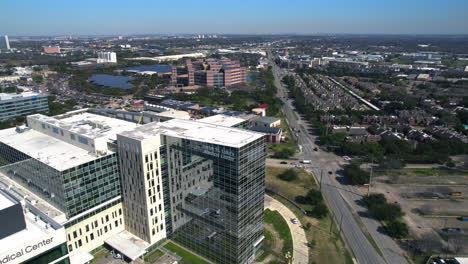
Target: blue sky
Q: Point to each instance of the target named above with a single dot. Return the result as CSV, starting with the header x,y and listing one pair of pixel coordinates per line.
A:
x,y
86,17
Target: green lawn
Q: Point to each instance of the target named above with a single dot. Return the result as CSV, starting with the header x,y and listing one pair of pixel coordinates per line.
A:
x,y
187,256
421,172
279,223
304,182
268,245
327,248
100,254
154,255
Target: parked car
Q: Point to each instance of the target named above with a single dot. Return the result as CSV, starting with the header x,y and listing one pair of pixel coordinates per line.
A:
x,y
283,162
294,220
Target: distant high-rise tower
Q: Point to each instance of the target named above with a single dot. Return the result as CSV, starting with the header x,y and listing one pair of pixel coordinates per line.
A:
x,y
4,43
107,57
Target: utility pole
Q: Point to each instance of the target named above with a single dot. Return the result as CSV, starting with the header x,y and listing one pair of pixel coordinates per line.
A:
x,y
370,176
321,178
331,223
341,221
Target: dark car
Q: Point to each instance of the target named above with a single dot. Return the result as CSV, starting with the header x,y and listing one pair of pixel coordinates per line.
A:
x,y
315,149
283,162
330,172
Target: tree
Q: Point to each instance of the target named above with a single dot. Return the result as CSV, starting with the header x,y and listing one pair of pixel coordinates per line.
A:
x,y
288,175
397,229
386,211
375,199
314,197
283,153
38,79
357,176
320,210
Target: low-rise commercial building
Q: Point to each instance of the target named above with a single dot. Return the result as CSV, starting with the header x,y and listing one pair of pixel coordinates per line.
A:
x,y
266,121
13,105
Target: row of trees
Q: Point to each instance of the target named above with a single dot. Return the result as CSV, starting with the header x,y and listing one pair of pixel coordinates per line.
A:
x,y
389,213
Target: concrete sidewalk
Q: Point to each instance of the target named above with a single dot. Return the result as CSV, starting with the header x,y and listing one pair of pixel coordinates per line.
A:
x,y
301,251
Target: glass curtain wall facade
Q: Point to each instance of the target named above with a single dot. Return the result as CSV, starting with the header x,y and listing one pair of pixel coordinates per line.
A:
x,y
50,256
74,190
215,203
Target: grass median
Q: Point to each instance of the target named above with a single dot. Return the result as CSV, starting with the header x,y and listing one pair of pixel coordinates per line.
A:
x,y
281,227
186,255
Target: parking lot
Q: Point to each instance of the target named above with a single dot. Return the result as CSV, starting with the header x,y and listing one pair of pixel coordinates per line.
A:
x,y
433,206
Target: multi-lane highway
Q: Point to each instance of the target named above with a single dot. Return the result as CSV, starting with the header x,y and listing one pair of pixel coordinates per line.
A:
x,y
341,199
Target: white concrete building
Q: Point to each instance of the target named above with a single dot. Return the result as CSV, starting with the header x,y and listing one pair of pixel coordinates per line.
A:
x,y
107,57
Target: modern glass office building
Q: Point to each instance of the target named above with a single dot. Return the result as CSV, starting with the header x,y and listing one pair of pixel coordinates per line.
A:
x,y
13,105
210,179
216,199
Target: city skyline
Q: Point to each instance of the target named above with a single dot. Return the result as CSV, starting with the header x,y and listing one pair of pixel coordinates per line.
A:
x,y
50,17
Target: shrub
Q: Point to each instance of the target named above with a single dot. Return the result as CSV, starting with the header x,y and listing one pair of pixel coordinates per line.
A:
x,y
314,197
397,229
288,175
320,210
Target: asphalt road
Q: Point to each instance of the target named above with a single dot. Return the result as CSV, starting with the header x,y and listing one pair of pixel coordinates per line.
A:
x,y
340,198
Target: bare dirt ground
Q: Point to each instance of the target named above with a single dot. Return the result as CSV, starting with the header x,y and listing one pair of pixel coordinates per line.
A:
x,y
429,207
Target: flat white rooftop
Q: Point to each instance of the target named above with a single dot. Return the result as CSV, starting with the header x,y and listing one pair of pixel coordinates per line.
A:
x,y
222,120
9,96
5,202
195,130
88,124
128,244
49,150
36,228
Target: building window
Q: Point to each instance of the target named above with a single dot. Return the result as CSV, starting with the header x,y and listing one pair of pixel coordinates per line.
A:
x,y
83,140
72,136
70,248
55,130
74,234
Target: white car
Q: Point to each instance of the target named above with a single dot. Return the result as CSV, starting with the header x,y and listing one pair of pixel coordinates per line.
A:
x,y
346,158
294,220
